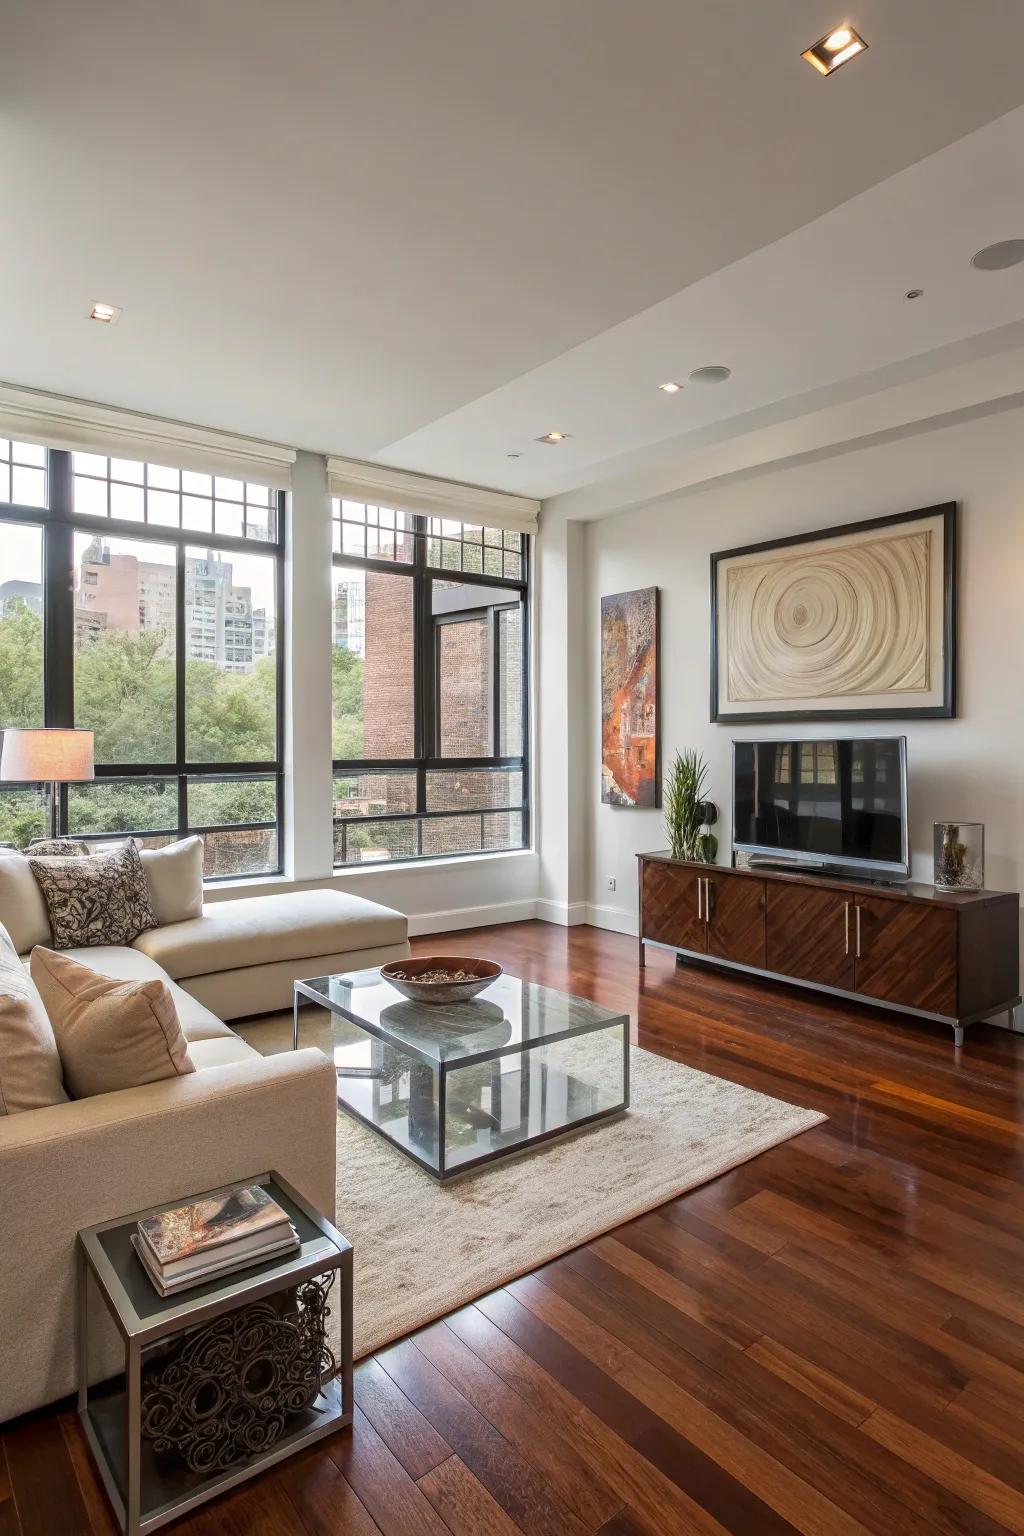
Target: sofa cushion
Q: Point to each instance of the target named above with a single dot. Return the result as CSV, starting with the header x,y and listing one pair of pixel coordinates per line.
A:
x,y
174,876
126,964
220,1053
100,900
260,929
59,848
110,1034
22,908
253,989
30,1074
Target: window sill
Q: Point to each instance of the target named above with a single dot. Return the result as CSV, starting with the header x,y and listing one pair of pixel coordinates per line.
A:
x,y
258,885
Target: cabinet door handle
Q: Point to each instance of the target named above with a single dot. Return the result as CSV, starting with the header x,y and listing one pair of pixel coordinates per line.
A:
x,y
846,927
707,901
857,914
700,889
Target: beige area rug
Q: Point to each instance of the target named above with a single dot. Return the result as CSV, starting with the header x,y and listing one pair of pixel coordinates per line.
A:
x,y
422,1249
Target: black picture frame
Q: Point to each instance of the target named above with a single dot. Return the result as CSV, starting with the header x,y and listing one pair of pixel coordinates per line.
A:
x,y
948,511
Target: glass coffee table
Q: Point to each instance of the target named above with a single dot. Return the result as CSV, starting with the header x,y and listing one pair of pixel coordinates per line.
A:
x,y
455,1086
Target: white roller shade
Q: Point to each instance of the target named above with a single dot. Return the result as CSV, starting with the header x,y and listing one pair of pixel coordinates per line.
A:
x,y
408,492
55,422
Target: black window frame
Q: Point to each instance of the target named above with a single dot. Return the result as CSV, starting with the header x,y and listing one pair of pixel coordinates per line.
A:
x,y
426,758
60,523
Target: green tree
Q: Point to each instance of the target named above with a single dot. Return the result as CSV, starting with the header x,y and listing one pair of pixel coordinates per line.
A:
x,y
347,685
125,693
21,666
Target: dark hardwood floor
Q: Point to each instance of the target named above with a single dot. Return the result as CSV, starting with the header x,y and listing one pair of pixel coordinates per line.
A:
x,y
828,1340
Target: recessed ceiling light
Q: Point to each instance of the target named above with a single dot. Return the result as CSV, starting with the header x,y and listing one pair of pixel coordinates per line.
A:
x,y
554,437
913,293
107,314
671,388
513,455
834,48
996,258
712,373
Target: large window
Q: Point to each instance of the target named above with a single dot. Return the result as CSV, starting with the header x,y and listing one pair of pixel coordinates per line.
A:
x,y
430,686
143,603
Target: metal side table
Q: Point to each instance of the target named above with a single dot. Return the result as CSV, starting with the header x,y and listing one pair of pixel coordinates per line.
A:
x,y
218,1381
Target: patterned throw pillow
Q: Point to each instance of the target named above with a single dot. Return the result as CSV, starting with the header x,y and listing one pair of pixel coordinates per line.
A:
x,y
103,899
58,848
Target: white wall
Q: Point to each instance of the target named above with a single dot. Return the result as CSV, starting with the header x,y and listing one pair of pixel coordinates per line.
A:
x,y
971,768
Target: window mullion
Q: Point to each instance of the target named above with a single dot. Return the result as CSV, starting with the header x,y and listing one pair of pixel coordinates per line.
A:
x,y
58,597
180,653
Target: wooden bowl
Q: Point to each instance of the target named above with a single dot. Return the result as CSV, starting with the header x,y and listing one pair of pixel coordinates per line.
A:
x,y
403,976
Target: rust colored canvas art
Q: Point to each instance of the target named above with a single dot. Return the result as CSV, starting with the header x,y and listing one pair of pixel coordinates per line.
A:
x,y
629,698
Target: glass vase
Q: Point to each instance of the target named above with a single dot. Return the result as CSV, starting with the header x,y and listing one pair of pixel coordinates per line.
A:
x,y
959,855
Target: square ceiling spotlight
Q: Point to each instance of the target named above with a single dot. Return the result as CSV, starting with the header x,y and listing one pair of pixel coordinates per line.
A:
x,y
106,314
835,48
554,437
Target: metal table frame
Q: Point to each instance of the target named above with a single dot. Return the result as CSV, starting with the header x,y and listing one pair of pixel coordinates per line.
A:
x,y
304,990
184,1312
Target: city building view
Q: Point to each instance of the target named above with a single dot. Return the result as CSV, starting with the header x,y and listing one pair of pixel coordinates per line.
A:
x,y
474,665
119,591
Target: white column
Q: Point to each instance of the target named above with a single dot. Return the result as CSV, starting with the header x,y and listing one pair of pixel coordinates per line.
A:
x,y
309,835
561,718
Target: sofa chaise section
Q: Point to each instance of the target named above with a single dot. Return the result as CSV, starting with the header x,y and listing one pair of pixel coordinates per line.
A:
x,y
242,957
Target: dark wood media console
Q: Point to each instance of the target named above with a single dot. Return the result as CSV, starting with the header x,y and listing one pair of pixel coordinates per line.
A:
x,y
941,955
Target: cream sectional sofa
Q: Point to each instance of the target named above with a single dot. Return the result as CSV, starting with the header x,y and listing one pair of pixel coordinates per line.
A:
x,y
69,1165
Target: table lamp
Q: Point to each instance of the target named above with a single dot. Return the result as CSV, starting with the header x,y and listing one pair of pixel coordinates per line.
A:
x,y
46,755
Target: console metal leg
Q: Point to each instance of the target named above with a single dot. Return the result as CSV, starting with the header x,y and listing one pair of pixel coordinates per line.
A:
x,y
958,1035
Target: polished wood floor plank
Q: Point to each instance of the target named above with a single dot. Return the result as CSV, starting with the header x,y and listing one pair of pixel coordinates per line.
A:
x,y
323,1500
97,1508
382,1484
656,1504
812,1380
10,1525
578,1486
512,1479
963,1477
777,1418
249,1510
400,1425
464,1504
769,1480
43,1481
827,1339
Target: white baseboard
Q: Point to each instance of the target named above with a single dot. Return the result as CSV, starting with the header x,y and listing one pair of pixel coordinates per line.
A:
x,y
616,919
567,914
472,917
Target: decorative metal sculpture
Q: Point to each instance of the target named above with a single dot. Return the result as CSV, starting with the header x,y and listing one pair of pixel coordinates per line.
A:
x,y
231,1386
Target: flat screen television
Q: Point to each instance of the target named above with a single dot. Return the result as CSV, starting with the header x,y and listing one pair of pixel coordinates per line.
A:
x,y
837,805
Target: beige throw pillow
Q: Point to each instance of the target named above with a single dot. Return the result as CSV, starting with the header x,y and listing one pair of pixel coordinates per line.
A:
x,y
103,899
30,1075
22,908
110,1034
174,876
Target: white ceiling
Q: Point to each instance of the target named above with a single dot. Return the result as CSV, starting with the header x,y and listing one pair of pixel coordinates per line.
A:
x,y
427,231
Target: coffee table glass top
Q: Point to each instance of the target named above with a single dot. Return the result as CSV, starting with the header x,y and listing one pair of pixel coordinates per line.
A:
x,y
508,1016
455,1086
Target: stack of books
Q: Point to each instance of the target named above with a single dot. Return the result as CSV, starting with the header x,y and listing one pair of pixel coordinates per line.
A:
x,y
211,1237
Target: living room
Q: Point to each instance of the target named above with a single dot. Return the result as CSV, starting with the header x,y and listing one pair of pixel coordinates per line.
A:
x,y
510,817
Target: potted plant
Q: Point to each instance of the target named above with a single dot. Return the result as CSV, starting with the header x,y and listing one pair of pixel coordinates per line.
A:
x,y
687,813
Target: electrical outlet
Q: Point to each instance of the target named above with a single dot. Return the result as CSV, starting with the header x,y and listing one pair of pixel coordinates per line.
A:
x,y
611,882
